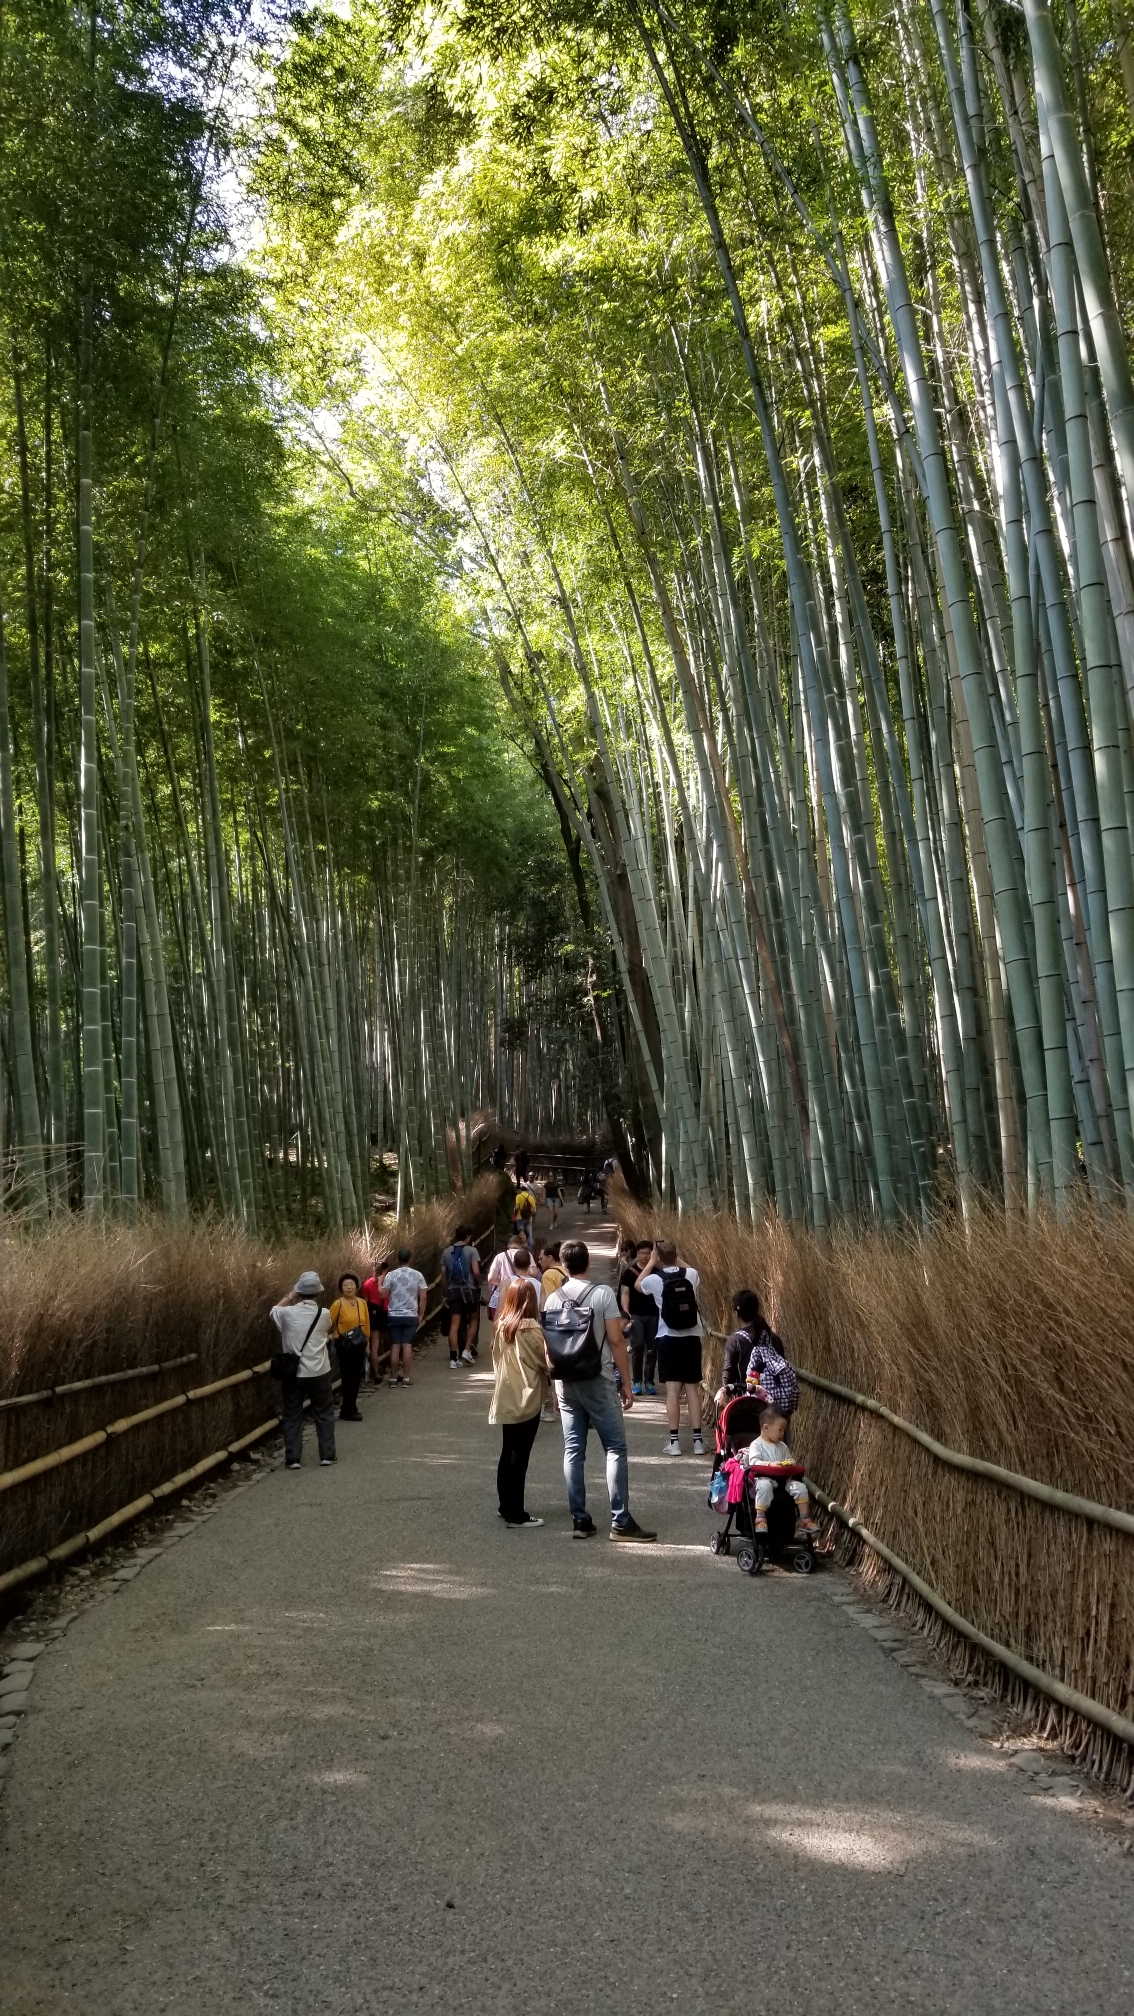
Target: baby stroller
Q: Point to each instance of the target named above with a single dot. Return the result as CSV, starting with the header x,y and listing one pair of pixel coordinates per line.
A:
x,y
738,1424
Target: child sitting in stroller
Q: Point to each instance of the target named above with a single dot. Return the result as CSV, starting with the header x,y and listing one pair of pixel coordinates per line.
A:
x,y
770,1447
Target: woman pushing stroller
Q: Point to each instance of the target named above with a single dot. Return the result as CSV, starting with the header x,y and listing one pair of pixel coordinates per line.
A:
x,y
754,1358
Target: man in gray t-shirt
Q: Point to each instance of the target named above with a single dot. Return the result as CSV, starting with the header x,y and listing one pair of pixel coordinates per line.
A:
x,y
595,1403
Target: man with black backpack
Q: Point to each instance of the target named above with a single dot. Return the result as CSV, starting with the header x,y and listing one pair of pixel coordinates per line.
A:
x,y
674,1289
583,1339
460,1275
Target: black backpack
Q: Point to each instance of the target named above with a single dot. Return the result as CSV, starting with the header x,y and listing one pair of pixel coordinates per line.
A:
x,y
678,1301
569,1334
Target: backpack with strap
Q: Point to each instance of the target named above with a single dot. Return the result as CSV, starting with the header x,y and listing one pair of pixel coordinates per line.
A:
x,y
569,1334
461,1283
678,1301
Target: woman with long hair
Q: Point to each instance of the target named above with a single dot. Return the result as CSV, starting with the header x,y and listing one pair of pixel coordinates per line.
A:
x,y
520,1365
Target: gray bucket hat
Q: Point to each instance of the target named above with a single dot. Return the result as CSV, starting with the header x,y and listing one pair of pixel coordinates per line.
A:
x,y
308,1284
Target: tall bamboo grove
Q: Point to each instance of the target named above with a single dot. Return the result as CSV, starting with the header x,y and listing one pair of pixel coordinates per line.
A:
x,y
778,366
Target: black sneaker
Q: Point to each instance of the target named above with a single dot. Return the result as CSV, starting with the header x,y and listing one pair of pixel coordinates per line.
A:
x,y
583,1527
630,1530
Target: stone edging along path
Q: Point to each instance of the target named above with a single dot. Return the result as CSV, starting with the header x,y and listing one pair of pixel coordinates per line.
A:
x,y
44,1622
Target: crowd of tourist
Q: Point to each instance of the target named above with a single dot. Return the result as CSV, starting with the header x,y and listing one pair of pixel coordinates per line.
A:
x,y
564,1345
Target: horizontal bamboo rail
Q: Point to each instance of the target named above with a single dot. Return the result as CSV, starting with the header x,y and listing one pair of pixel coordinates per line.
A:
x,y
100,1379
1028,1487
79,1543
42,1564
1044,1683
1012,1480
71,1450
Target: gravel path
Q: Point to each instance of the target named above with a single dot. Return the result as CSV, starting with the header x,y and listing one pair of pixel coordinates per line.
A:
x,y
351,1746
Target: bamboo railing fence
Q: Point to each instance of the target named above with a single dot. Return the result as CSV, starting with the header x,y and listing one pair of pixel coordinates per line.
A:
x,y
46,1467
965,1416
1028,1487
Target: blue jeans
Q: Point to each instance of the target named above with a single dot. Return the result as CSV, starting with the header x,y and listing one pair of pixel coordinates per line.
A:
x,y
586,1404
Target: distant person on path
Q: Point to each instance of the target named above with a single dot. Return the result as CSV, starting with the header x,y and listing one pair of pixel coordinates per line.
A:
x,y
523,1214
407,1291
553,1197
520,1388
754,1358
673,1288
304,1329
460,1279
640,1313
350,1328
587,1398
374,1289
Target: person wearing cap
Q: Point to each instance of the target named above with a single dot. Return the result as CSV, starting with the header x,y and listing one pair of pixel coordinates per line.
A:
x,y
304,1329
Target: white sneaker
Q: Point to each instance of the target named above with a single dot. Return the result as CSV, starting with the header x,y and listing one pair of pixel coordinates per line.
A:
x,y
698,1446
466,1358
672,1447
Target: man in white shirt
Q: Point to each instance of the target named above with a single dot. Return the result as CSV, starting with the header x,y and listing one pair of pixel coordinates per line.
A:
x,y
674,1289
407,1292
593,1402
304,1329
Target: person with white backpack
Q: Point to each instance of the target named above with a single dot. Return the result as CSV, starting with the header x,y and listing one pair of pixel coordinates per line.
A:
x,y
584,1341
674,1289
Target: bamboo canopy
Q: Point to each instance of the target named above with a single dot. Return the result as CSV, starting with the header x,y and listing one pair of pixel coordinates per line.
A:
x,y
616,609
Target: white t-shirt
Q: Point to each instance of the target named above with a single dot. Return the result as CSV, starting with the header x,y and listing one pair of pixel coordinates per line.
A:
x,y
768,1452
404,1285
499,1274
293,1321
652,1286
604,1303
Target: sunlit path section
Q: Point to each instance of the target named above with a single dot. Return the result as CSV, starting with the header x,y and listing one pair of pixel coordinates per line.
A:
x,y
354,1747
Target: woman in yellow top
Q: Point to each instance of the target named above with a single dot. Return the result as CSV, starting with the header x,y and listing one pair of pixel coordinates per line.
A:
x,y
350,1334
520,1364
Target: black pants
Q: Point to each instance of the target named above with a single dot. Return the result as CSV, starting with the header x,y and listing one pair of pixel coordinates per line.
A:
x,y
352,1358
643,1351
512,1469
318,1391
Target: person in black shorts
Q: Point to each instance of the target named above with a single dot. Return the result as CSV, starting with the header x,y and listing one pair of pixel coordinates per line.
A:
x,y
460,1277
673,1289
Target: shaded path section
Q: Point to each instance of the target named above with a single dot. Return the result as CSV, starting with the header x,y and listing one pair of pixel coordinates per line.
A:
x,y
352,1746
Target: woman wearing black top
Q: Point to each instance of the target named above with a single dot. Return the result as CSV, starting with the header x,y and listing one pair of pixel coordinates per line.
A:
x,y
754,1338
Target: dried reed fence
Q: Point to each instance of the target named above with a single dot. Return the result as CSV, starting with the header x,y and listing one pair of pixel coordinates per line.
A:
x,y
1014,1345
81,1302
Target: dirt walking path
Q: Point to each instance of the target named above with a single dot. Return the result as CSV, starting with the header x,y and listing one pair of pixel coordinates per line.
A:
x,y
352,1746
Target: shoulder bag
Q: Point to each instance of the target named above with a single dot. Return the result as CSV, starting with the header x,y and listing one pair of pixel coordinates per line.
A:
x,y
285,1364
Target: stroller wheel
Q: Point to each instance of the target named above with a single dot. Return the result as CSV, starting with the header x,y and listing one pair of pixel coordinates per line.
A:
x,y
804,1562
726,1543
718,1543
749,1559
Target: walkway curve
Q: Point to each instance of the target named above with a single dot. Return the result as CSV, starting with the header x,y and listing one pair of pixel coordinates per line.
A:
x,y
352,1746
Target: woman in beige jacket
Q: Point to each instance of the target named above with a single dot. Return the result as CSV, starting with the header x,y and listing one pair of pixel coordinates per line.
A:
x,y
520,1365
